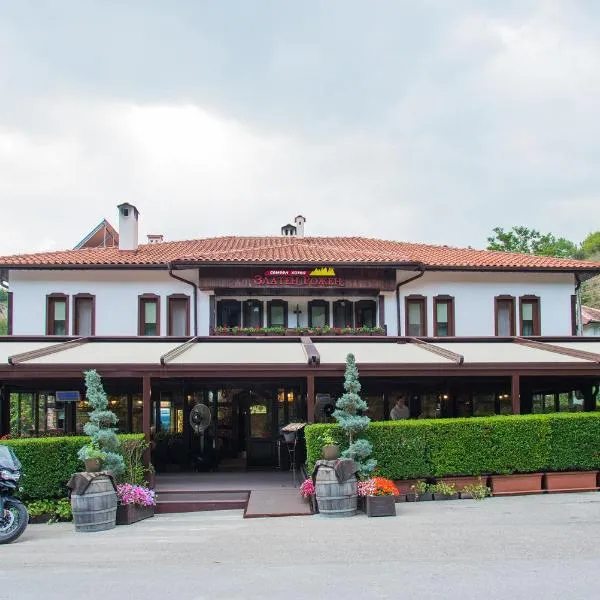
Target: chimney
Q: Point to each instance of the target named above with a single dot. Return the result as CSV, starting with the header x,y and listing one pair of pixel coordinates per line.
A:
x,y
299,222
128,226
155,238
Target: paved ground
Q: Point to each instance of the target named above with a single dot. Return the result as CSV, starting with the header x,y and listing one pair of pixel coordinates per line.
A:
x,y
545,547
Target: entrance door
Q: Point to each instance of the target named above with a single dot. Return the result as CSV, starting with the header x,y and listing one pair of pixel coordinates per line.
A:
x,y
261,426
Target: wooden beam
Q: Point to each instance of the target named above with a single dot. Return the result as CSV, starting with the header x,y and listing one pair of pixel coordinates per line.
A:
x,y
53,349
310,398
147,406
572,352
459,359
516,394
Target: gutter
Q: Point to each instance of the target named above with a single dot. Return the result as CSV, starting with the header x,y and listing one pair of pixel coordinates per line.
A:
x,y
195,294
421,273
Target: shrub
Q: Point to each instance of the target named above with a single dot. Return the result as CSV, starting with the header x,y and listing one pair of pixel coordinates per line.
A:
x,y
48,463
475,446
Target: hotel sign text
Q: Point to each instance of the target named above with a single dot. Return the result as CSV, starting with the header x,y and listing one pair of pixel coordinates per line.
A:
x,y
319,277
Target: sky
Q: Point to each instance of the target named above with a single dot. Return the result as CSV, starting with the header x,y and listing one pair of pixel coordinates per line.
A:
x,y
426,120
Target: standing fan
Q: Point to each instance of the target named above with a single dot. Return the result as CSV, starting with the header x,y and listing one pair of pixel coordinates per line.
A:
x,y
200,418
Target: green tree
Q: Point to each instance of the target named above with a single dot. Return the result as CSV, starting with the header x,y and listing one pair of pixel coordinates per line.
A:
x,y
590,247
529,241
99,426
348,414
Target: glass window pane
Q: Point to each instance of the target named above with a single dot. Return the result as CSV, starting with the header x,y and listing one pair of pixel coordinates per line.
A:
x,y
83,307
150,311
414,313
178,316
318,316
442,312
277,316
527,311
60,310
504,317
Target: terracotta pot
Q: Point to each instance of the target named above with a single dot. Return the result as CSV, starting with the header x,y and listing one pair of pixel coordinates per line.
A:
x,y
330,452
521,483
461,482
92,465
571,481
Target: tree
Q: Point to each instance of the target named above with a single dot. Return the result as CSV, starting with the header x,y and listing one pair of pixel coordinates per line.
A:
x,y
99,426
590,247
529,241
347,414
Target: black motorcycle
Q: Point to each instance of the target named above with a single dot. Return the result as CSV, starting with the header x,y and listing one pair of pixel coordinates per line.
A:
x,y
13,514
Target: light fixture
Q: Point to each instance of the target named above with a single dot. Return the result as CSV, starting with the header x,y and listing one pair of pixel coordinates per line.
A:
x,y
445,397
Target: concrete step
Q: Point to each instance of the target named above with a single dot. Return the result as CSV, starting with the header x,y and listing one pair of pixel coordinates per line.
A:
x,y
182,501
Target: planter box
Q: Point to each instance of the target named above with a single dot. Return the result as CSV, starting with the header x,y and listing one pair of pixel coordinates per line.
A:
x,y
461,482
132,513
424,497
572,481
445,496
511,485
381,506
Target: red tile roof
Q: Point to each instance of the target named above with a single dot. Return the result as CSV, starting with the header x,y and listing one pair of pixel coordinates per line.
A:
x,y
590,315
296,250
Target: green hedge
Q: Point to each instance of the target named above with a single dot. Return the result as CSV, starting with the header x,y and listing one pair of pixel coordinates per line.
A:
x,y
476,446
49,462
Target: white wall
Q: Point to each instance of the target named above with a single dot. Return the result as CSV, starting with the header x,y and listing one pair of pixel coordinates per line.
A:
x,y
474,294
116,297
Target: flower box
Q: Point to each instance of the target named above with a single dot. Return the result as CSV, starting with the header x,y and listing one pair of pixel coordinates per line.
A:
x,y
381,506
571,481
521,483
132,513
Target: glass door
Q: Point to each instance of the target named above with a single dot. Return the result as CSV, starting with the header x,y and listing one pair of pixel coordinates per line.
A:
x,y
261,425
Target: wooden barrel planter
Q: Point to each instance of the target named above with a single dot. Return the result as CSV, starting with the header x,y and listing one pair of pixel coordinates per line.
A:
x,y
96,508
335,499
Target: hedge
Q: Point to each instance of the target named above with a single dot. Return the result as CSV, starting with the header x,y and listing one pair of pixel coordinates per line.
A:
x,y
475,446
49,462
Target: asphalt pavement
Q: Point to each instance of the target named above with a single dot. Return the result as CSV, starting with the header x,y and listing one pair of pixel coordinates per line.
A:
x,y
528,547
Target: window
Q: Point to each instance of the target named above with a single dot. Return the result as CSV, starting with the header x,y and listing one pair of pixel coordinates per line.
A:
x,y
366,313
277,313
229,313
343,314
416,324
149,315
84,315
253,313
529,313
573,314
178,317
505,316
57,314
318,313
443,316
10,308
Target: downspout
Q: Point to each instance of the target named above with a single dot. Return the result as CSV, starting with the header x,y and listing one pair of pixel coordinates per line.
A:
x,y
421,273
195,294
578,326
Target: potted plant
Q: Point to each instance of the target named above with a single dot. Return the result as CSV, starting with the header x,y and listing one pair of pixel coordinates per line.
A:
x,y
379,496
571,481
136,502
443,491
330,449
475,492
512,484
307,489
419,492
93,458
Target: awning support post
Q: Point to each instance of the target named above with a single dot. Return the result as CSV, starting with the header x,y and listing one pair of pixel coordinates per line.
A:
x,y
516,394
147,406
310,398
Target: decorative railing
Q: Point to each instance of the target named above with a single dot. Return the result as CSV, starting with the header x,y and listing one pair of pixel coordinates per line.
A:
x,y
308,331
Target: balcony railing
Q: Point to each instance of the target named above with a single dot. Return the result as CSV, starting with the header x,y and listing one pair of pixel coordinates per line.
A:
x,y
309,331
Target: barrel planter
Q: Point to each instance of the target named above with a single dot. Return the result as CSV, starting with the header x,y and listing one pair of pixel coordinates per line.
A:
x,y
96,508
512,485
335,499
571,481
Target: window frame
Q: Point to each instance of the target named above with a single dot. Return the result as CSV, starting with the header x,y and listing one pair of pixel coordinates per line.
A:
x,y
246,306
9,316
422,302
449,300
574,314
283,304
76,298
535,302
505,298
142,300
348,309
313,303
361,304
178,297
50,300
220,304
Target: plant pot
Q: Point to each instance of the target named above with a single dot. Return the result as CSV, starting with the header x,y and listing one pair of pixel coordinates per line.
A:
x,y
401,498
411,497
330,452
571,481
93,465
426,497
446,496
381,506
132,513
461,482
521,483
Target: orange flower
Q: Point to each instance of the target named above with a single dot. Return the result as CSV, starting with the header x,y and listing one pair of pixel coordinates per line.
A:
x,y
385,487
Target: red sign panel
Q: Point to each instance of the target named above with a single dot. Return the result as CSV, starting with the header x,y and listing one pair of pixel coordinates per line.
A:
x,y
298,280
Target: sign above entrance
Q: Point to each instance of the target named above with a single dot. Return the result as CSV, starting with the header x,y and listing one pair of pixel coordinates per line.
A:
x,y
319,277
318,272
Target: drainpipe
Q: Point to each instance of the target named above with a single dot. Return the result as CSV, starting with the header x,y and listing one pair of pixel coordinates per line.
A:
x,y
195,294
421,273
578,326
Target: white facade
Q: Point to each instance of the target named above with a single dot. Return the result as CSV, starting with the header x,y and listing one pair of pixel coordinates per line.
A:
x,y
592,329
117,299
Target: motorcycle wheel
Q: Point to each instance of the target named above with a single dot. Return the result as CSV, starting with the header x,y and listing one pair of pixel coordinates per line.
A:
x,y
13,522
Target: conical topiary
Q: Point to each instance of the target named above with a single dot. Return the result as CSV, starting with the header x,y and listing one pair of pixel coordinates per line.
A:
x,y
347,414
99,426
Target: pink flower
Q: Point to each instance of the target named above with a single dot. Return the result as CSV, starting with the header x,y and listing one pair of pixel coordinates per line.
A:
x,y
135,494
307,489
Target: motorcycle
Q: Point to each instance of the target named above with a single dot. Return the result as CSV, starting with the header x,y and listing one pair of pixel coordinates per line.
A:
x,y
13,514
